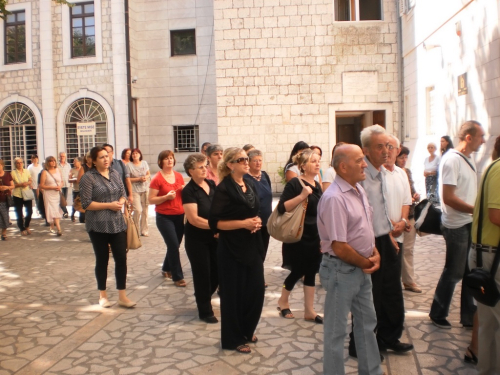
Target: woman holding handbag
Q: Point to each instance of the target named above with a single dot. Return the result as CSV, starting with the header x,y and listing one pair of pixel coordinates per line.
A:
x,y
51,183
23,196
6,186
302,258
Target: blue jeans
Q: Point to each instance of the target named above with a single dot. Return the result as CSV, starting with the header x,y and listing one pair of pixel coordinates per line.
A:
x,y
171,228
348,289
458,243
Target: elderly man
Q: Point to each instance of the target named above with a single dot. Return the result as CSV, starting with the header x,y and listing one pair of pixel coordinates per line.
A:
x,y
347,242
458,190
387,291
64,168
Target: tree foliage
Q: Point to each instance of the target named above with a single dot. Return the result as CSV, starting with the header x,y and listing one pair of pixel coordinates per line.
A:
x,y
4,11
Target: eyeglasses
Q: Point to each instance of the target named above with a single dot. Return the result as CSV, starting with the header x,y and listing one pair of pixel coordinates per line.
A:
x,y
240,160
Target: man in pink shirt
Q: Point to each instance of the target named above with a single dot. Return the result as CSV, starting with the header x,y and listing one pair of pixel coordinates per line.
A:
x,y
348,244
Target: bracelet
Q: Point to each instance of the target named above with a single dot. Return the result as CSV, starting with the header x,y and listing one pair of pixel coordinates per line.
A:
x,y
406,222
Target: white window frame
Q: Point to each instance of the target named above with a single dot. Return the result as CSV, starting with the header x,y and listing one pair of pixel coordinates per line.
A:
x,y
29,49
357,13
66,36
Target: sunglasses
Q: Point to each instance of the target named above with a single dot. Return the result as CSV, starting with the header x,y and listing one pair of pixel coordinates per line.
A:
x,y
240,160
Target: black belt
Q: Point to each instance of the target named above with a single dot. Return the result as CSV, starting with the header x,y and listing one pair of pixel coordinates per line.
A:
x,y
484,248
330,256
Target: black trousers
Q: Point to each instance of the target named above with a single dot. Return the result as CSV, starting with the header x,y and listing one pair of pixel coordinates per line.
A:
x,y
118,242
241,298
265,239
387,293
203,258
19,203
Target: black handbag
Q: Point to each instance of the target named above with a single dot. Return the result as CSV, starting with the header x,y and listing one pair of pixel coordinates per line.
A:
x,y
480,281
428,217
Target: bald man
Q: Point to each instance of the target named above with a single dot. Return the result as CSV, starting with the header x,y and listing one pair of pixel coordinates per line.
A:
x,y
349,257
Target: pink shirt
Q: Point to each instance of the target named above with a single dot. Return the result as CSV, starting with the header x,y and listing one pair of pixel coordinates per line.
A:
x,y
212,176
345,215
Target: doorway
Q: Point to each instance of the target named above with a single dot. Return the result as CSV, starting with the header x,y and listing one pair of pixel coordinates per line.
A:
x,y
349,124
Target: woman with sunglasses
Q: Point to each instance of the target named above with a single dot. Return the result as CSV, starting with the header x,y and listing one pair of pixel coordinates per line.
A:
x,y
240,253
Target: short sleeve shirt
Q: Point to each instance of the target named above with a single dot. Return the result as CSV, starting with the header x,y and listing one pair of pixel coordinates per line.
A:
x,y
173,206
399,191
64,169
20,177
455,171
34,172
345,215
491,232
5,180
136,171
193,193
329,175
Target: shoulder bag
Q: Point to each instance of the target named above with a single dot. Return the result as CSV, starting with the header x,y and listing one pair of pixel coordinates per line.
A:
x,y
133,239
289,226
480,281
427,217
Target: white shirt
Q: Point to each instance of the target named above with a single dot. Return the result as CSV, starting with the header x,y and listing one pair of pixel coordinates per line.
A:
x,y
64,169
34,172
399,194
329,175
432,166
455,171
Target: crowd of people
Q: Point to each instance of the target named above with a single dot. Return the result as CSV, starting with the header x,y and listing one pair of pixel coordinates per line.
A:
x,y
358,232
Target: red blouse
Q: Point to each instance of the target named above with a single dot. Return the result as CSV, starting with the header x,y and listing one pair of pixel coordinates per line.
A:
x,y
170,207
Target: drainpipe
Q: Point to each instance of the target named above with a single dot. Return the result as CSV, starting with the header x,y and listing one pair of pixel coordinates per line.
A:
x,y
129,79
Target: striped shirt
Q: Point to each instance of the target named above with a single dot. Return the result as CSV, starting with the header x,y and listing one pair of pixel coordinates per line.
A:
x,y
94,187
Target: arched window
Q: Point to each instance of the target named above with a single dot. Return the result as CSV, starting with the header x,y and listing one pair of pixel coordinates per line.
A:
x,y
84,111
17,134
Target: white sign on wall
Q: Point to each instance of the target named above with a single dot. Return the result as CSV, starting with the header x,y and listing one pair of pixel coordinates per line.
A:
x,y
85,128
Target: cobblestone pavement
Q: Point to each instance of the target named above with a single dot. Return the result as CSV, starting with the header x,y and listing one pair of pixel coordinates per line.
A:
x,y
50,322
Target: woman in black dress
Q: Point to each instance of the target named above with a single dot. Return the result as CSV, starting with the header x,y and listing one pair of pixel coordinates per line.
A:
x,y
234,215
200,244
302,258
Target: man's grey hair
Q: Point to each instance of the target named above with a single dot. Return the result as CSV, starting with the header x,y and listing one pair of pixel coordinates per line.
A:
x,y
253,153
338,157
398,143
366,134
213,148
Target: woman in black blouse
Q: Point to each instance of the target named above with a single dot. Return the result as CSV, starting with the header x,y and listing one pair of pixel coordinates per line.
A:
x,y
302,258
234,215
200,244
103,195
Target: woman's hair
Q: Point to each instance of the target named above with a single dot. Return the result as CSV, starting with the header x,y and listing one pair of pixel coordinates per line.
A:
x,y
165,154
300,145
367,133
334,148
404,151
191,161
248,147
317,148
496,149
124,152
213,148
78,159
94,153
136,150
253,153
432,144
229,154
302,158
48,159
449,143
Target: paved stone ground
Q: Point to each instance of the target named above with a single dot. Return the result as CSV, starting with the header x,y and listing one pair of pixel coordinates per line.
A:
x,y
50,322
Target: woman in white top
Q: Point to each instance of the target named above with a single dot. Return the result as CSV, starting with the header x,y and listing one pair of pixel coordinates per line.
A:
x,y
330,174
139,176
291,170
51,183
34,169
431,165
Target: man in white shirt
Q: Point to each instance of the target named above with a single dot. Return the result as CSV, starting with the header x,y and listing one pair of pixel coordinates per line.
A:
x,y
64,168
458,190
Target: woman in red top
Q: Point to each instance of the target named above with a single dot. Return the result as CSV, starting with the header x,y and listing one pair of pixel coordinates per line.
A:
x,y
165,193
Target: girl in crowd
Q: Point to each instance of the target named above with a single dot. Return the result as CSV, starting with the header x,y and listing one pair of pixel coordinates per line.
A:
x,y
431,165
302,258
103,195
51,183
234,215
165,193
139,174
200,244
291,169
330,172
6,186
22,181
446,144
73,178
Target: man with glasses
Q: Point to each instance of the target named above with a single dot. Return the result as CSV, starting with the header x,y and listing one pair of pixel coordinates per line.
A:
x,y
65,169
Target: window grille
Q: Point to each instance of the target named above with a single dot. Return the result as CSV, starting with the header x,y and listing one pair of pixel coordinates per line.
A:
x,y
183,42
15,38
84,110
17,134
186,138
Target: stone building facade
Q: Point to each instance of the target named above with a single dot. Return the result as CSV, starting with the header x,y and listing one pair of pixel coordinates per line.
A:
x,y
288,70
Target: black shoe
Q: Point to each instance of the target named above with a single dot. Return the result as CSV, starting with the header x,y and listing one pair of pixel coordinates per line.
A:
x,y
65,216
354,354
210,320
441,323
397,346
467,326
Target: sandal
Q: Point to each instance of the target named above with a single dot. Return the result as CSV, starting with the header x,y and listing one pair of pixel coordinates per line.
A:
x,y
180,283
4,238
59,233
470,358
285,312
28,230
254,339
245,349
24,233
317,319
166,274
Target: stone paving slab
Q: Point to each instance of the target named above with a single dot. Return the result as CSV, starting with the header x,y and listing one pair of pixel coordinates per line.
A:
x,y
50,322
